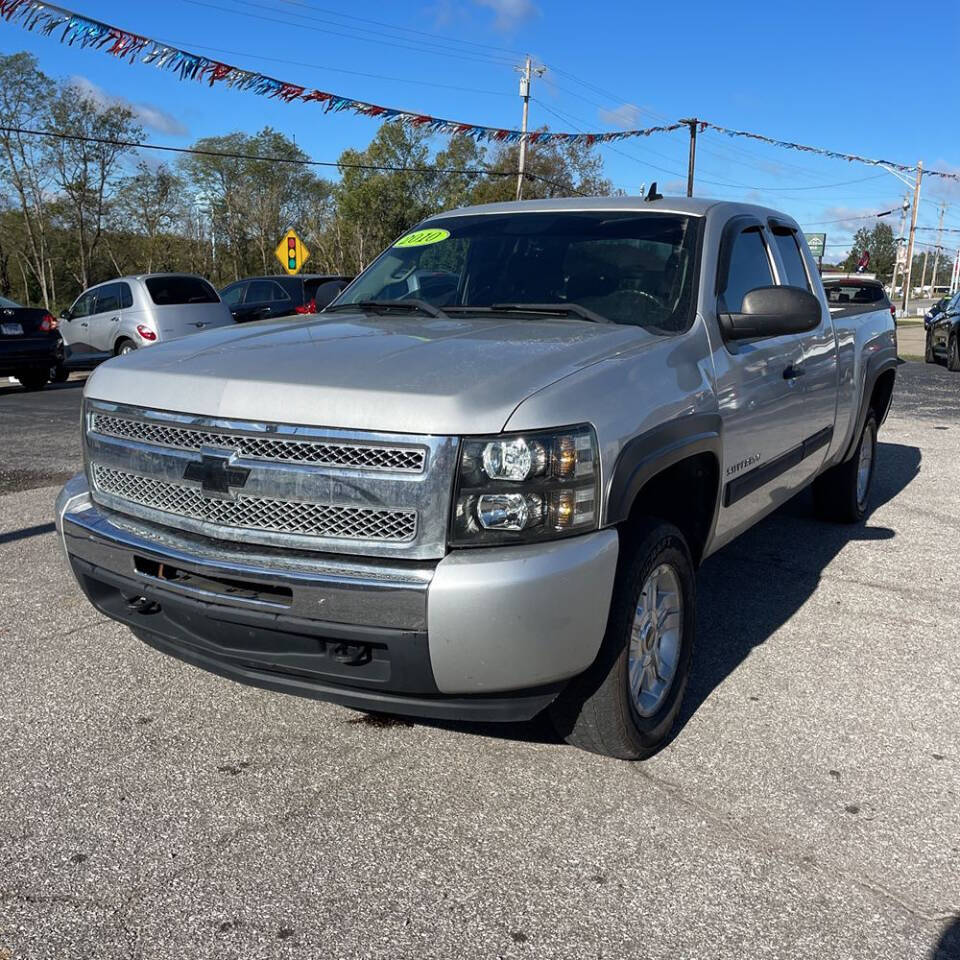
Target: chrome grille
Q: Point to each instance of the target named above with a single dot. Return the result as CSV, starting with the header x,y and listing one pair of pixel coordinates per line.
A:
x,y
258,513
316,453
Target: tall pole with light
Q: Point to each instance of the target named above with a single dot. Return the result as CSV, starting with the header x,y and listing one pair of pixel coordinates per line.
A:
x,y
526,72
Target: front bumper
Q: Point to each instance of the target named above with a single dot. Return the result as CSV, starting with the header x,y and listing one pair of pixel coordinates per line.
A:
x,y
487,634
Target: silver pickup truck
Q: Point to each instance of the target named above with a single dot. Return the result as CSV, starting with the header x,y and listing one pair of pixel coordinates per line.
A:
x,y
479,484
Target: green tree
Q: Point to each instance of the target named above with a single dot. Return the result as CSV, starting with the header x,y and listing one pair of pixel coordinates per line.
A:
x,y
85,170
552,170
149,205
24,162
254,195
881,246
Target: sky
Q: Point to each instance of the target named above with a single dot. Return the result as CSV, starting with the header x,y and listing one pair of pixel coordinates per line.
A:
x,y
800,72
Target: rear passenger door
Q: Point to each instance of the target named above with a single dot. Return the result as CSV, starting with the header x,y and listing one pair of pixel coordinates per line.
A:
x,y
817,365
759,399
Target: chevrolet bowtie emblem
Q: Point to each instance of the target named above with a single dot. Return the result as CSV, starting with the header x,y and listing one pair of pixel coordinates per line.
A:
x,y
215,475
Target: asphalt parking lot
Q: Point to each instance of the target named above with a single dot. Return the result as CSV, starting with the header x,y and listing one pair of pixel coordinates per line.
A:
x,y
808,806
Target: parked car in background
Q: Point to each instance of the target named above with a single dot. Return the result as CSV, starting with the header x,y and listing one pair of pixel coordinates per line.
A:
x,y
30,346
257,298
137,311
943,332
935,311
853,291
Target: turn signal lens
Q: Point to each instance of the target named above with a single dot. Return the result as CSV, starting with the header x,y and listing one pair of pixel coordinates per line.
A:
x,y
146,332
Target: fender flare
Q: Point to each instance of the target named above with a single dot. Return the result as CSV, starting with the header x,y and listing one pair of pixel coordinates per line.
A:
x,y
877,365
643,457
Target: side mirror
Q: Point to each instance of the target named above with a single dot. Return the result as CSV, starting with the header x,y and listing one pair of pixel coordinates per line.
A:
x,y
64,314
772,312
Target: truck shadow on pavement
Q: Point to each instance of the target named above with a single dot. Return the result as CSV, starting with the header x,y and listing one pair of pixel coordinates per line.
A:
x,y
788,552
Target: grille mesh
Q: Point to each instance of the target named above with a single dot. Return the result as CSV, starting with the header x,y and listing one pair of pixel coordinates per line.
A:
x,y
259,513
313,452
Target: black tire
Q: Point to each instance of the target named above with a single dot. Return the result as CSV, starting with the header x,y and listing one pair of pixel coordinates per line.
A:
x,y
124,346
595,711
835,493
59,374
34,379
953,355
928,355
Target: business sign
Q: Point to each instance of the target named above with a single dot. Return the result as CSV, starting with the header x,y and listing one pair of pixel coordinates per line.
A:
x,y
291,252
817,242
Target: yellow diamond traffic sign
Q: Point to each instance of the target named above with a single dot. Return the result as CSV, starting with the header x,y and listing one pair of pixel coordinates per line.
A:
x,y
291,252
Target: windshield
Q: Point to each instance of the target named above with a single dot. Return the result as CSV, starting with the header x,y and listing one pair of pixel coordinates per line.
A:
x,y
628,267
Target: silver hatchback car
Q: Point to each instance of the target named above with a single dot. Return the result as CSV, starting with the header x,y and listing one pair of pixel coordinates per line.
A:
x,y
138,311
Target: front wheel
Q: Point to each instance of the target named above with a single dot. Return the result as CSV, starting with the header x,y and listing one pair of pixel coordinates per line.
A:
x,y
843,492
953,355
626,703
928,355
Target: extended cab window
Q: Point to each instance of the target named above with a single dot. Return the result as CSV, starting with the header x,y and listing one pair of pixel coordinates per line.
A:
x,y
631,267
749,268
792,259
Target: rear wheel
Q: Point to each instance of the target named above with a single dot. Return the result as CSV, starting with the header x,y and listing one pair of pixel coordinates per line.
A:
x,y
124,347
59,374
626,703
34,379
843,492
953,354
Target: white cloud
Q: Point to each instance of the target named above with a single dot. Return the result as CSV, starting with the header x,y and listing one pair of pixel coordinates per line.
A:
x,y
149,115
509,13
628,116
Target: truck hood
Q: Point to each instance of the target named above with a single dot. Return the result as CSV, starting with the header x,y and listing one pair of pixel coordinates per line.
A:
x,y
406,374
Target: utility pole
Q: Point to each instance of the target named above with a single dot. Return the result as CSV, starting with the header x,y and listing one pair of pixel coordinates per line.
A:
x,y
896,259
913,231
936,252
923,275
525,95
691,163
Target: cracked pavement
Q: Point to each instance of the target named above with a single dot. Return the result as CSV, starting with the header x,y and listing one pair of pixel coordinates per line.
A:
x,y
808,805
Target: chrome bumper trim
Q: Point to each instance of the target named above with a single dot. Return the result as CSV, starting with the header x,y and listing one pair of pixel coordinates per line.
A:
x,y
335,590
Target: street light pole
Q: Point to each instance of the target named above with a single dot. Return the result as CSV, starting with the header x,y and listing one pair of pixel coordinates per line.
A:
x,y
526,72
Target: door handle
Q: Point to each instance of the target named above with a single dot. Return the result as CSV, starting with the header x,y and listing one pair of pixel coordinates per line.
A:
x,y
793,371
84,324
114,319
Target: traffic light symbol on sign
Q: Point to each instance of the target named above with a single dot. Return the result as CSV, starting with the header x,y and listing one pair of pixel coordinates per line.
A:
x,y
291,252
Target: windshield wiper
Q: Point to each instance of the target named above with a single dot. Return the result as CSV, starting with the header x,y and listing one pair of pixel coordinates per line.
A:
x,y
568,309
381,306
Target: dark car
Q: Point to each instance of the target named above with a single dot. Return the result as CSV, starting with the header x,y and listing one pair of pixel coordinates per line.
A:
x,y
256,298
943,332
30,345
935,311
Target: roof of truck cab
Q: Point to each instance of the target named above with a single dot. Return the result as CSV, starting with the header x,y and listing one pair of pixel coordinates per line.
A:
x,y
690,206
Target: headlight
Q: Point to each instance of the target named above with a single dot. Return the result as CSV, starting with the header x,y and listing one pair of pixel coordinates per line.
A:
x,y
519,488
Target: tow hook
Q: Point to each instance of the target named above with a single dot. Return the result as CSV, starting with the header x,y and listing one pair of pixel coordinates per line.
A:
x,y
351,654
142,605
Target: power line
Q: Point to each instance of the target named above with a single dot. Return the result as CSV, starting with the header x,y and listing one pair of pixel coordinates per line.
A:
x,y
400,29
297,161
395,42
